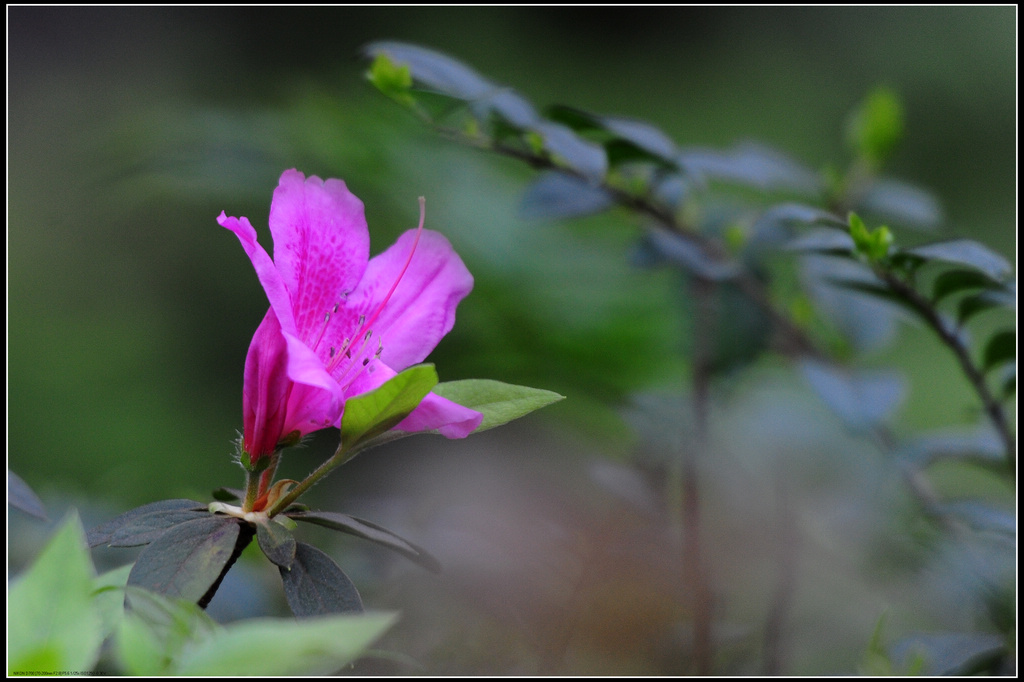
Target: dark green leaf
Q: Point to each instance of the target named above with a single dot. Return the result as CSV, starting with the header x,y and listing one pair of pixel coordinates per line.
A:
x,y
1000,348
276,542
577,119
20,496
1008,379
557,195
567,148
982,444
381,409
972,305
684,251
866,322
188,559
643,135
316,586
862,400
101,534
157,629
982,517
144,529
433,69
512,107
889,201
499,402
955,281
823,240
877,291
953,653
372,532
967,252
228,494
753,165
391,79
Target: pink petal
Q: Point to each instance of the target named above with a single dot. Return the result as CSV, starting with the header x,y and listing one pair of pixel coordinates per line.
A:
x,y
266,271
266,387
317,398
422,308
321,245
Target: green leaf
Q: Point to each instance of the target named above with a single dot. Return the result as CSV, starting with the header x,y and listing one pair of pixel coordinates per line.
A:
x,y
500,403
391,79
643,135
901,204
157,629
102,534
228,494
1000,348
270,647
144,529
955,281
381,409
316,586
689,255
557,195
53,624
571,150
967,252
983,517
862,400
753,165
983,445
972,305
20,496
823,240
372,532
276,542
108,598
875,128
957,654
185,561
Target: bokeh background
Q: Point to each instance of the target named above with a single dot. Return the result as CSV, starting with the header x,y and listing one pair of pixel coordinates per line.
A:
x,y
130,312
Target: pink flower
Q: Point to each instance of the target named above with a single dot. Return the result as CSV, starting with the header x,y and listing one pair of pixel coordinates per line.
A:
x,y
340,323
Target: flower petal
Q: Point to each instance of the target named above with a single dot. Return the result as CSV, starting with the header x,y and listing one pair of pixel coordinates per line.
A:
x,y
321,245
316,398
422,308
266,387
266,271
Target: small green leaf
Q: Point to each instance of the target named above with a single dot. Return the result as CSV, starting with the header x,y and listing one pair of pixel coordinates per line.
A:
x,y
901,204
53,624
433,69
983,517
556,196
967,252
108,598
101,534
500,403
1000,348
316,586
285,647
875,128
752,165
185,561
381,409
823,240
393,80
957,654
372,532
20,496
276,542
982,445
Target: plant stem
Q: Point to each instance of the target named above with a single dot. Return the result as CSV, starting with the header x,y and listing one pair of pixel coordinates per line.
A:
x,y
340,456
975,376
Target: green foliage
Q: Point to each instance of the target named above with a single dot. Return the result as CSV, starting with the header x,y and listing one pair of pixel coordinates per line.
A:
x,y
499,402
21,496
316,586
53,624
372,532
872,244
373,413
876,127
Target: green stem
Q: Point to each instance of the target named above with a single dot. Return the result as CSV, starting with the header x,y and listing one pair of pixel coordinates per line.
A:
x,y
341,455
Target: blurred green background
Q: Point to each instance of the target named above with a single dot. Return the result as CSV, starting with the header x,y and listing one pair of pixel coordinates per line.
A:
x,y
130,311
